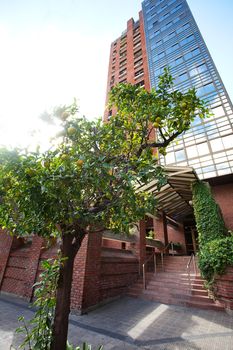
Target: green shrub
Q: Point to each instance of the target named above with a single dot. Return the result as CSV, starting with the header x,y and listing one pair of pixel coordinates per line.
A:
x,y
38,330
209,220
215,243
215,256
85,346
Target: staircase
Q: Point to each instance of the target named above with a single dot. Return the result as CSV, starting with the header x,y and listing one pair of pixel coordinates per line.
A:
x,y
174,285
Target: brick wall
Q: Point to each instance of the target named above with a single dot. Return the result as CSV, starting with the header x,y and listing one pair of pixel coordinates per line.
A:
x,y
119,269
224,288
99,273
21,268
223,195
175,234
107,243
5,246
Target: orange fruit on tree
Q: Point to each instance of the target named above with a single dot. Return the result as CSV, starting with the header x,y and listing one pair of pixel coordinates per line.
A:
x,y
71,131
80,162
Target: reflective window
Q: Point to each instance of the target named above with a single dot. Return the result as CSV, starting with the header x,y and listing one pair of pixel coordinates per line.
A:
x,y
181,78
203,148
170,158
187,40
198,70
218,111
228,141
179,60
216,145
192,152
181,29
206,89
192,54
180,155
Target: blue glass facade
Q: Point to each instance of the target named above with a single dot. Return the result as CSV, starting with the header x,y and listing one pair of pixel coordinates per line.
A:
x,y
174,40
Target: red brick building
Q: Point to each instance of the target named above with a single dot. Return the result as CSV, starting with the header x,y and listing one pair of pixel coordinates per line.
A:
x,y
105,266
128,59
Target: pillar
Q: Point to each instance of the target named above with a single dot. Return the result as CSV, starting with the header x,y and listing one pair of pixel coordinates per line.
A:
x,y
86,276
5,248
33,265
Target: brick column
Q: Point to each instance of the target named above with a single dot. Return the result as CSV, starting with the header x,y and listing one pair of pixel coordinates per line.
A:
x,y
86,276
5,249
140,244
224,289
33,265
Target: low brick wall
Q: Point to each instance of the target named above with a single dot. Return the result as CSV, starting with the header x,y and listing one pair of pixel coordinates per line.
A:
x,y
224,289
16,272
119,269
100,273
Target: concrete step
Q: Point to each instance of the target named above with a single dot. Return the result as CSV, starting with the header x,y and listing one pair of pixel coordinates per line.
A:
x,y
202,304
174,285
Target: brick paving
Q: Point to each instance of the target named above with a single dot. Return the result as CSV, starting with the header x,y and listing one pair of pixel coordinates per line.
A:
x,y
130,324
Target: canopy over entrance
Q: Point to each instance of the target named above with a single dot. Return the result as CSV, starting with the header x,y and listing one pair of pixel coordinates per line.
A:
x,y
175,198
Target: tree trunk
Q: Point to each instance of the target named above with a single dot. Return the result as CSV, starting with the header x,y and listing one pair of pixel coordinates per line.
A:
x,y
61,319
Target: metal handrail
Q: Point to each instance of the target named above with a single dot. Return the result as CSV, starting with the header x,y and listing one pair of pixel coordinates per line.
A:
x,y
144,268
192,259
164,251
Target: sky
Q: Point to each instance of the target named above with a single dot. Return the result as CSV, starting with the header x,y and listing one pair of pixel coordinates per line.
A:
x,y
55,50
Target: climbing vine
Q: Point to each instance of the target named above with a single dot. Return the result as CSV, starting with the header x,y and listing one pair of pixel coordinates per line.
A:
x,y
209,220
215,242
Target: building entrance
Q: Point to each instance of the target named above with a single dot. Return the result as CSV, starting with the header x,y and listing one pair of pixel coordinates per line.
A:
x,y
191,237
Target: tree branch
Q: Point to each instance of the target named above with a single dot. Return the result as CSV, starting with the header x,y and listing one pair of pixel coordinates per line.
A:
x,y
158,144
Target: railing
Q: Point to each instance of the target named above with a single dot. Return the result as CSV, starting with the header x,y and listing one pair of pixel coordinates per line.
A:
x,y
154,258
191,261
164,252
144,268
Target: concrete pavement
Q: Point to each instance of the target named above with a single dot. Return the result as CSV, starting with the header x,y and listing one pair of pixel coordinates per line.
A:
x,y
130,324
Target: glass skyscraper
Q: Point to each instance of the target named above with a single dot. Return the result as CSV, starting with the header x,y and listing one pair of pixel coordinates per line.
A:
x,y
174,40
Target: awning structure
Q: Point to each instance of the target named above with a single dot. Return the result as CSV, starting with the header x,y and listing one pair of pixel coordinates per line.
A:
x,y
174,199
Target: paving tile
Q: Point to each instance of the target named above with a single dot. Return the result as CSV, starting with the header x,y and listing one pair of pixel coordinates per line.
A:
x,y
133,324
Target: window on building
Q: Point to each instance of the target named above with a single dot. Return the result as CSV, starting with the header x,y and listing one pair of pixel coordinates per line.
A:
x,y
192,152
206,89
123,63
139,73
180,155
203,149
138,63
198,70
172,48
179,60
168,25
216,145
187,40
227,141
182,77
170,158
137,53
195,52
183,28
161,55
141,83
123,72
218,111
123,81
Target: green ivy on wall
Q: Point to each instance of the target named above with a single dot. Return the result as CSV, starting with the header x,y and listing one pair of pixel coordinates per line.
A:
x,y
215,242
209,220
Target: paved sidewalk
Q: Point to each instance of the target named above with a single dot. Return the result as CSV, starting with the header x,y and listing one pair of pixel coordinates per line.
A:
x,y
133,324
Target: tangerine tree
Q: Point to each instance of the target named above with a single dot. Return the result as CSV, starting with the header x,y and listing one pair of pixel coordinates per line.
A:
x,y
89,177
